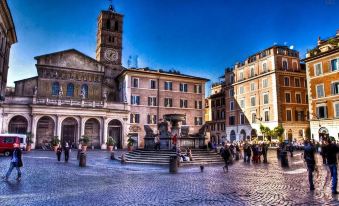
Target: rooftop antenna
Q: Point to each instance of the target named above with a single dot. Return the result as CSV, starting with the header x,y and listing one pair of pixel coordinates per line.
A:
x,y
129,62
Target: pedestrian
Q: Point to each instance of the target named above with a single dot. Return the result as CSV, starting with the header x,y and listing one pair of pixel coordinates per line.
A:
x,y
157,142
330,152
16,162
309,151
226,155
238,152
248,153
322,153
58,152
66,151
264,151
291,148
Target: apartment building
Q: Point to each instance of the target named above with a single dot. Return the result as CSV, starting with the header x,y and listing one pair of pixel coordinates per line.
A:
x,y
322,66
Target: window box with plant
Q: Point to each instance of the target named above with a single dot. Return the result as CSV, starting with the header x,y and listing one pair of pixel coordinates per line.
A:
x,y
84,142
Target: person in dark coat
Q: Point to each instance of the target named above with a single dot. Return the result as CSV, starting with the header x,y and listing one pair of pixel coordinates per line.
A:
x,y
66,151
58,152
249,153
16,162
226,155
330,152
309,151
322,153
264,151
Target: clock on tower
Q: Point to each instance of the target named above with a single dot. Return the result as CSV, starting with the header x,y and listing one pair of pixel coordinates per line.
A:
x,y
109,37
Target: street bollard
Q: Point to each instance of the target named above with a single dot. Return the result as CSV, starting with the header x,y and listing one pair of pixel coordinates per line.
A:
x,y
173,164
112,156
82,161
284,159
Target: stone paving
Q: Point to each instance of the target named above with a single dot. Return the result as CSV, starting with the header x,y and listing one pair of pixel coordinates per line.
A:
x,y
105,182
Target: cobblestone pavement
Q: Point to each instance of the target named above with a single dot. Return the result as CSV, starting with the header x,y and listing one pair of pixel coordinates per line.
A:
x,y
105,182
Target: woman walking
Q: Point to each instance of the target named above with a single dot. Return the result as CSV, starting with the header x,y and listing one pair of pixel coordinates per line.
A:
x,y
16,162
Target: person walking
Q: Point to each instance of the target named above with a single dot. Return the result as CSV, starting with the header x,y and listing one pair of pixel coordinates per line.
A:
x,y
16,162
248,153
66,151
58,152
264,152
226,155
309,151
330,152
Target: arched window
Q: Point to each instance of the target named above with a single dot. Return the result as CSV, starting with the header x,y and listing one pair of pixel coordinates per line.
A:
x,y
116,26
70,90
284,64
55,88
108,24
84,90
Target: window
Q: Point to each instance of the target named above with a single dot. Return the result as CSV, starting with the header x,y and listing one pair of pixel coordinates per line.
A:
x,y
241,76
153,84
252,86
288,97
135,99
116,26
320,90
306,99
183,87
288,115
197,120
8,140
168,102
231,105
254,117
242,119
168,85
335,88
108,24
264,67
318,69
242,103
151,119
84,90
299,115
70,90
232,79
298,98
321,112
287,81
336,108
252,101
152,101
266,99
198,104
267,116
55,88
284,64
135,82
183,103
297,82
264,83
241,90
135,118
252,72
197,89
231,92
232,120
222,114
334,65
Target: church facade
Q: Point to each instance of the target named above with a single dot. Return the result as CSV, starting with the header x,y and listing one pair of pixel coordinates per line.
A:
x,y
75,95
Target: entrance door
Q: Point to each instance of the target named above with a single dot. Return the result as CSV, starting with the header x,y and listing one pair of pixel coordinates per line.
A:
x,y
115,132
68,134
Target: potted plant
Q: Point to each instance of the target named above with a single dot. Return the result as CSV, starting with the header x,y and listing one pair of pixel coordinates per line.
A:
x,y
55,143
84,142
110,143
29,141
130,142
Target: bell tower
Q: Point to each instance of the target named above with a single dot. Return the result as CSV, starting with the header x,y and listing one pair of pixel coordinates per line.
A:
x,y
109,37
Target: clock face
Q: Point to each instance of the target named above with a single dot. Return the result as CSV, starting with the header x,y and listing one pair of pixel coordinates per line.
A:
x,y
111,55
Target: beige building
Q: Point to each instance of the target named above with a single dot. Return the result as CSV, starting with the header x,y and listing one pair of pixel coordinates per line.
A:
x,y
7,38
322,64
267,88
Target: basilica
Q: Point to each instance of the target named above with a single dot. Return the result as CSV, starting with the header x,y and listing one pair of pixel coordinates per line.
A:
x,y
74,95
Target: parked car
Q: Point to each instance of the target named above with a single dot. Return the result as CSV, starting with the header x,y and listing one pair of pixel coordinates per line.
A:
x,y
22,137
6,144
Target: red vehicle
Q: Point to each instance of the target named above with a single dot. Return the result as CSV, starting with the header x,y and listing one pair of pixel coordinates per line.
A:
x,y
6,144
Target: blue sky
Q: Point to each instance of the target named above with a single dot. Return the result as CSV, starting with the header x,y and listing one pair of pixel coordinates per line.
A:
x,y
197,37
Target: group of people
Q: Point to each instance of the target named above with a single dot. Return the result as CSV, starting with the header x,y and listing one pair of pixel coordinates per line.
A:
x,y
66,150
329,153
184,156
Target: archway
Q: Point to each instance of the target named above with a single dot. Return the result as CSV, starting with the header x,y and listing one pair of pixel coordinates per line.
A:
x,y
115,131
44,131
290,135
69,131
92,129
253,134
243,135
233,136
18,125
323,133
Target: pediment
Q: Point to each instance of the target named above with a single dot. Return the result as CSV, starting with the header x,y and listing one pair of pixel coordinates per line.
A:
x,y
71,59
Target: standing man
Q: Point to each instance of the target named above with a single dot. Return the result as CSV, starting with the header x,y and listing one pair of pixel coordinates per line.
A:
x,y
330,152
309,151
66,150
16,161
59,151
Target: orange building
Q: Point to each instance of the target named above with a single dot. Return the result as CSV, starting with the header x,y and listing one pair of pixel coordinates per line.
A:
x,y
322,65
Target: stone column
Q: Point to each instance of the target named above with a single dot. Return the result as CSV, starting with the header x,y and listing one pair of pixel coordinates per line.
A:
x,y
58,126
34,130
103,133
82,126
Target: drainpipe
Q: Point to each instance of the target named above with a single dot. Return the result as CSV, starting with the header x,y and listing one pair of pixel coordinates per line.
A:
x,y
158,98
